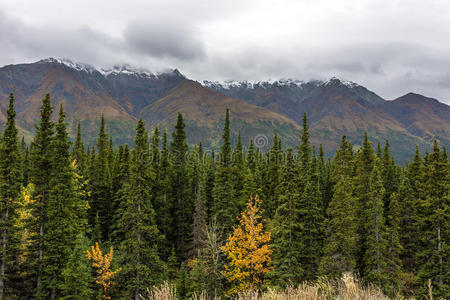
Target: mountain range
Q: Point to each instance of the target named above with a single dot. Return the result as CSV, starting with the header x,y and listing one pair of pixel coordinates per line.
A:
x,y
257,109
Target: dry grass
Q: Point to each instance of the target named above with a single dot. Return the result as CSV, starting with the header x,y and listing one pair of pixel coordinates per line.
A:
x,y
348,288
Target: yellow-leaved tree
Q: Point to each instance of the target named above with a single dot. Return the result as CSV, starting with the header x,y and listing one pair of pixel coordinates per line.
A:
x,y
248,251
102,263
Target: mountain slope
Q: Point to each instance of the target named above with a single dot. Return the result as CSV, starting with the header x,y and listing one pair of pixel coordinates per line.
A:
x,y
81,93
421,116
123,94
85,92
334,108
204,109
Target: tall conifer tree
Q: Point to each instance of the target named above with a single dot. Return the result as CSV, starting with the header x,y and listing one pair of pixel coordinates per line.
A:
x,y
60,215
41,173
182,205
10,183
339,253
139,249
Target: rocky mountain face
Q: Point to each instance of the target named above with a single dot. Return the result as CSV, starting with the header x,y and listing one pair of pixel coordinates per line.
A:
x,y
123,94
337,108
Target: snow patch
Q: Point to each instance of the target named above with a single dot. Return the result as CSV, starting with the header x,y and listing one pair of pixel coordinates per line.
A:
x,y
124,69
73,65
284,82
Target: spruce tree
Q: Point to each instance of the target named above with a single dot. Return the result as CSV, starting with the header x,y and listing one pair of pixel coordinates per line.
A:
x,y
40,175
60,215
120,194
77,273
394,264
409,207
199,223
238,171
340,246
287,242
225,206
434,226
272,179
251,159
376,243
304,150
364,161
163,207
10,184
182,205
311,220
139,258
78,150
101,184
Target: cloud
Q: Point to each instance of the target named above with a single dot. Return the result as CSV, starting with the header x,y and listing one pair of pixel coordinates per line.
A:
x,y
372,43
164,37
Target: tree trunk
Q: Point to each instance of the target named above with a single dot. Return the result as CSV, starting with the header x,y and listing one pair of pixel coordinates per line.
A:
x,y
3,265
440,255
41,237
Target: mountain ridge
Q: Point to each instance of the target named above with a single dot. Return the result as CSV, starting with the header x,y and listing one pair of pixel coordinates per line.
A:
x,y
123,94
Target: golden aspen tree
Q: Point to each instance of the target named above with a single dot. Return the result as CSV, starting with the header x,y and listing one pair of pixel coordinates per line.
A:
x,y
248,250
102,263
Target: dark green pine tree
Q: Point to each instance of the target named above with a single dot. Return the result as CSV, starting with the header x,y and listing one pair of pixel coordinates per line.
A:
x,y
100,181
163,201
120,182
251,159
155,158
238,170
311,220
409,207
364,161
434,225
139,258
10,184
60,215
394,263
390,177
78,150
376,243
40,175
326,185
225,206
182,205
272,179
249,186
199,223
26,165
77,272
304,150
210,173
287,242
340,246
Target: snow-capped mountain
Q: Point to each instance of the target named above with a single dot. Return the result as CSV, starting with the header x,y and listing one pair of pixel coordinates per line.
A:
x,y
124,93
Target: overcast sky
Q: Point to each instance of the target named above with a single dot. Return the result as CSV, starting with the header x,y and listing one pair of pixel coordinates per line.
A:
x,y
390,46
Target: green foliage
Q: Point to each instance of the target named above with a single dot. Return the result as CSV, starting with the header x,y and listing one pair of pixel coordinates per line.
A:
x,y
167,210
100,184
340,246
61,220
139,258
10,185
287,228
77,273
40,175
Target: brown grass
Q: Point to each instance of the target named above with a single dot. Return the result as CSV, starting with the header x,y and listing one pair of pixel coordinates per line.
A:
x,y
347,288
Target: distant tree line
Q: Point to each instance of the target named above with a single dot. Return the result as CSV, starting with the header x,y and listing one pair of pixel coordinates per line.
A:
x,y
165,211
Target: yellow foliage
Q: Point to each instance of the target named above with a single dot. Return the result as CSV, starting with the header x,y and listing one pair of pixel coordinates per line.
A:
x,y
102,262
248,250
24,216
80,207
